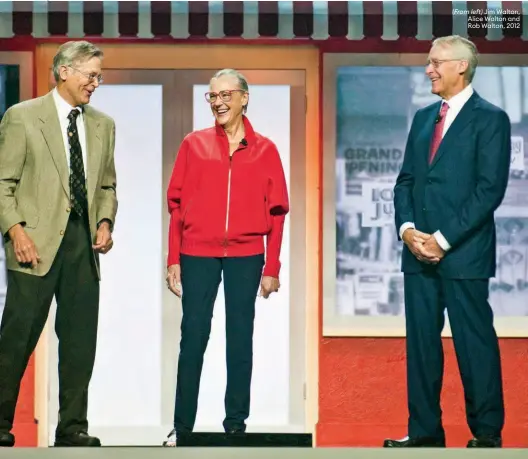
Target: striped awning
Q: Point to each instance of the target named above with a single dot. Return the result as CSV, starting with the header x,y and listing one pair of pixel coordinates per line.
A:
x,y
317,20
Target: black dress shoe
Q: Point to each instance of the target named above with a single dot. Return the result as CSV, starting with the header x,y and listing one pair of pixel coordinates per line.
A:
x,y
7,439
419,442
236,430
485,442
81,439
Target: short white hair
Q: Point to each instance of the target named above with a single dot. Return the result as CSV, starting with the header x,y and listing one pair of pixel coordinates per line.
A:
x,y
241,80
73,52
463,49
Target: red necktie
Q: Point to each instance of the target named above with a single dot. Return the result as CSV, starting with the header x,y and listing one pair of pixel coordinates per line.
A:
x,y
437,135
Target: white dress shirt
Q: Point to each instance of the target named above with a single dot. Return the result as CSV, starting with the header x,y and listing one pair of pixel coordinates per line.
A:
x,y
455,105
63,110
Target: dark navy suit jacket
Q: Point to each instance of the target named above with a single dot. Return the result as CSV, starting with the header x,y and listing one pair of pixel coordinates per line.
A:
x,y
460,191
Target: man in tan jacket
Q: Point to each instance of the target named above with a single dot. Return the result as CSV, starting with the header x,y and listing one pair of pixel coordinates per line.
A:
x,y
57,210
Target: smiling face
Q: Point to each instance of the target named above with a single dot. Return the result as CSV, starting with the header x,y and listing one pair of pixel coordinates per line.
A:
x,y
227,100
79,81
446,69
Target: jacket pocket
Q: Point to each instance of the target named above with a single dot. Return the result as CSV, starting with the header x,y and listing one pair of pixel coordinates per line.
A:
x,y
31,221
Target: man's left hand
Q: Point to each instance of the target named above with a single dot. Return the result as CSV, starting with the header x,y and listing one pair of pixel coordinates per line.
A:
x,y
431,246
103,238
268,285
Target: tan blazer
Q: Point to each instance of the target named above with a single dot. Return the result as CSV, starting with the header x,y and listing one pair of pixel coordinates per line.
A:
x,y
34,177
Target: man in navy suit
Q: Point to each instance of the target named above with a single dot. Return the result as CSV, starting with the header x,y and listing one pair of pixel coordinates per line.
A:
x,y
453,178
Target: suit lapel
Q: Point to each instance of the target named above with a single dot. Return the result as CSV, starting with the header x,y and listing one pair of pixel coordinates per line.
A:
x,y
52,132
463,118
94,147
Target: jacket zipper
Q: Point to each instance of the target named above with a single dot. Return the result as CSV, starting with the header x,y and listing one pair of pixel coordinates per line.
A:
x,y
228,203
228,199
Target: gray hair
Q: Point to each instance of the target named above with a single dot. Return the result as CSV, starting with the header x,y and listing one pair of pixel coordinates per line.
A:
x,y
72,52
241,80
464,49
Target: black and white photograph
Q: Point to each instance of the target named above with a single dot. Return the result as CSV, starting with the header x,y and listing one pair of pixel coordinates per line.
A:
x,y
375,107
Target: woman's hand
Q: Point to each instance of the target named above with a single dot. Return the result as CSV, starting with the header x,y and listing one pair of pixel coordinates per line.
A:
x,y
174,280
268,285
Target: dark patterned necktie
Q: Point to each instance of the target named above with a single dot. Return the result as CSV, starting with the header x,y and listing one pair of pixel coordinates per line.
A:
x,y
77,179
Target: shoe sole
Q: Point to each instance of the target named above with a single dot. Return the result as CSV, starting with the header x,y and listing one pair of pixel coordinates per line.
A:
x,y
73,445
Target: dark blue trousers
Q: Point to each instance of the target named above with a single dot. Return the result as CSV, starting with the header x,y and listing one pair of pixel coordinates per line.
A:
x,y
427,296
201,278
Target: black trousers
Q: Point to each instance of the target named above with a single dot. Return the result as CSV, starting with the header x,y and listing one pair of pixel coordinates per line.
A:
x,y
73,280
201,278
476,346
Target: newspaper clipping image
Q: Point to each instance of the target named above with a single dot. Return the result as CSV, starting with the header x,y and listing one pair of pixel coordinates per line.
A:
x,y
375,107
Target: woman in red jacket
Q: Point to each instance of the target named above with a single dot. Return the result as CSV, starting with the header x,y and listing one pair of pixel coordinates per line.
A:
x,y
226,195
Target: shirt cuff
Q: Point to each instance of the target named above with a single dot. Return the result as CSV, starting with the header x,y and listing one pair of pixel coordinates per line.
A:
x,y
105,220
442,241
404,227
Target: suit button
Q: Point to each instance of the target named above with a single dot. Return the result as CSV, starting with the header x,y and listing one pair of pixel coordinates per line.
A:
x,y
62,232
423,209
68,209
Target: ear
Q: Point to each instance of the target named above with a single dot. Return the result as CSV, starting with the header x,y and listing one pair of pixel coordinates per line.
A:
x,y
63,72
462,67
245,98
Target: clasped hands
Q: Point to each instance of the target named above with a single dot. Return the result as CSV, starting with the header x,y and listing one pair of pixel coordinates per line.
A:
x,y
423,246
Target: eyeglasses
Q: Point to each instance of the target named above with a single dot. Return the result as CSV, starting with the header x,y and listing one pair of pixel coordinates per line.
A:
x,y
438,62
91,76
225,96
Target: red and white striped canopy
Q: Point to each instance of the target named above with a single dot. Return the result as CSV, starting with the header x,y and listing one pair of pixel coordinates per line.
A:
x,y
317,20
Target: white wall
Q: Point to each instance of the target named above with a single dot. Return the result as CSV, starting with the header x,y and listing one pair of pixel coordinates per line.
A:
x,y
125,389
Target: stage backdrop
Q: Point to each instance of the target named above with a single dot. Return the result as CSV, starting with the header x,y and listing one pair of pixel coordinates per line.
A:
x,y
374,107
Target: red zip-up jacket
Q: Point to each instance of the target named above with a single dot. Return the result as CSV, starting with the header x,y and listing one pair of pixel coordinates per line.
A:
x,y
222,206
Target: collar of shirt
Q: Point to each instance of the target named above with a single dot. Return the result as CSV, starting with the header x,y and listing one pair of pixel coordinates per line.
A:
x,y
457,102
63,107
